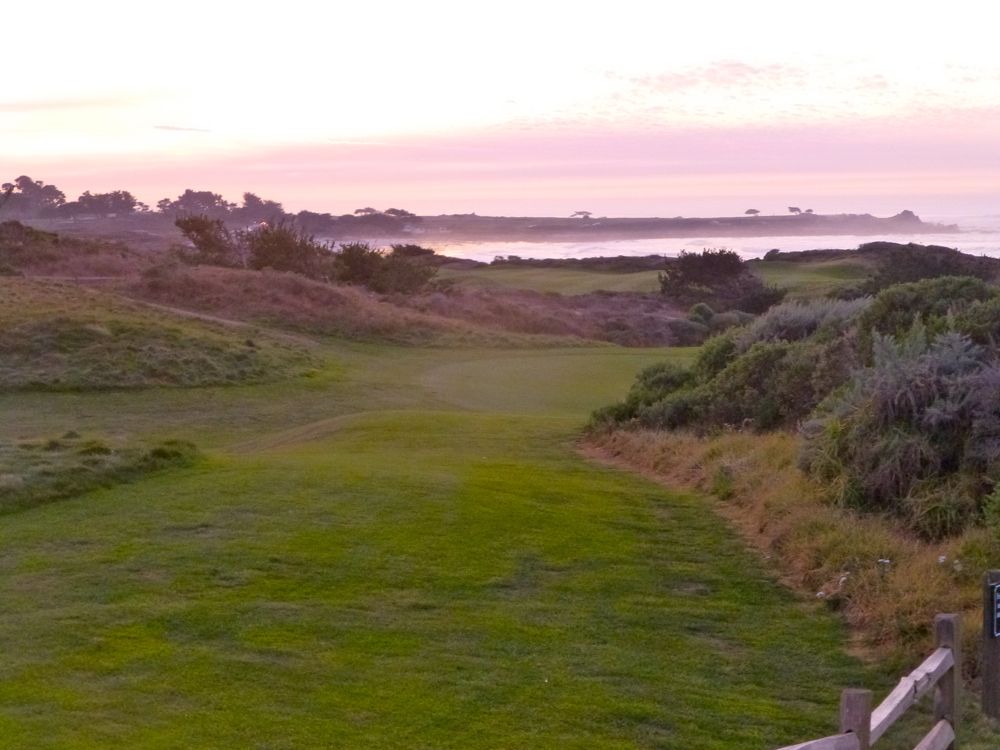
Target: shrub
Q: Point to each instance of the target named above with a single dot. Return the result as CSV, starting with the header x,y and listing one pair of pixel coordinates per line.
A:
x,y
396,272
726,320
687,332
933,301
794,321
719,279
902,426
357,263
214,244
701,313
716,353
678,409
282,247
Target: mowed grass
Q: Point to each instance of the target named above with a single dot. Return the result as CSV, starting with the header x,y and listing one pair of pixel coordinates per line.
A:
x,y
405,551
809,279
559,280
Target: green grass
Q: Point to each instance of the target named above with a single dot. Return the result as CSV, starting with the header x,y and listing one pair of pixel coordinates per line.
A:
x,y
404,550
810,279
62,337
560,280
33,472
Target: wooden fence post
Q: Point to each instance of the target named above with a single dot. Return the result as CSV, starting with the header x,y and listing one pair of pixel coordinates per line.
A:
x,y
856,715
948,693
991,645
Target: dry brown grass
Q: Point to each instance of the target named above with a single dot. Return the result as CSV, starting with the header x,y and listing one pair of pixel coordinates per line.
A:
x,y
821,550
293,302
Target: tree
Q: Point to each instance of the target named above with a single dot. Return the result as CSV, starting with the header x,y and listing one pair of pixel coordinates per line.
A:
x,y
399,213
367,211
197,203
581,214
214,244
118,202
255,208
28,197
794,210
809,211
751,212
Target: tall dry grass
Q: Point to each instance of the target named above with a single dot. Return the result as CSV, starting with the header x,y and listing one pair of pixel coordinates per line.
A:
x,y
293,302
887,583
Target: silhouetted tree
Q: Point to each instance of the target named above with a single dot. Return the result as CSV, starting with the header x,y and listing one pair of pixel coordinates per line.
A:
x,y
399,213
196,203
751,212
255,208
581,214
28,197
794,210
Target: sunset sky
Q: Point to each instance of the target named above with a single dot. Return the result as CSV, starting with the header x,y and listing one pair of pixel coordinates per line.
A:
x,y
535,108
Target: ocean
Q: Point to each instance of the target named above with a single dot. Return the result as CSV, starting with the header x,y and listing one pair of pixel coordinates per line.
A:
x,y
980,235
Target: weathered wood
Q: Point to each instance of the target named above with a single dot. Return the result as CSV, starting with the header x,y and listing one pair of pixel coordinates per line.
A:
x,y
941,737
847,741
856,714
948,694
910,689
991,650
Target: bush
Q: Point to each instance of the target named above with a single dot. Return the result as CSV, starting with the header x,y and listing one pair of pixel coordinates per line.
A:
x,y
933,302
701,313
794,321
687,332
902,426
397,272
282,247
714,356
717,278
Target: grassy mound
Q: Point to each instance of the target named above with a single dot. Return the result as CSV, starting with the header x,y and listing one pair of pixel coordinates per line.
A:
x,y
293,302
26,251
33,472
62,337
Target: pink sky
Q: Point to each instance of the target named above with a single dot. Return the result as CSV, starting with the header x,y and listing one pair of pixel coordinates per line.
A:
x,y
535,109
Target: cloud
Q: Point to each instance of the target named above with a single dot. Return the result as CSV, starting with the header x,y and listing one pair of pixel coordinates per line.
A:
x,y
179,129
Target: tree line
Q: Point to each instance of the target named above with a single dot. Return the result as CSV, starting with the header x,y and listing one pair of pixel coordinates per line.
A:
x,y
27,198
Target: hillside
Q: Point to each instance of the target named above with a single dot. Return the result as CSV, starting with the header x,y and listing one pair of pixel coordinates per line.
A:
x,y
60,336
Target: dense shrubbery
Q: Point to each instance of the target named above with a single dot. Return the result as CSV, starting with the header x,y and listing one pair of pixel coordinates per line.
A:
x,y
901,393
916,434
284,247
719,278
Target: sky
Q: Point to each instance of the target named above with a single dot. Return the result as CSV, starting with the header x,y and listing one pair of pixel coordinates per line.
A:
x,y
521,108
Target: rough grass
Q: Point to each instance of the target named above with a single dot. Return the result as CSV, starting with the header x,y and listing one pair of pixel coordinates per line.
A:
x,y
33,472
64,337
30,252
292,302
398,572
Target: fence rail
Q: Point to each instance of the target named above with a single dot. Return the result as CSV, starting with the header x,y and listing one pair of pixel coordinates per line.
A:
x,y
860,726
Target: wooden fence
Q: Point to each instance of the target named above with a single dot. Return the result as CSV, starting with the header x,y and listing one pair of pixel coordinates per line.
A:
x,y
861,726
